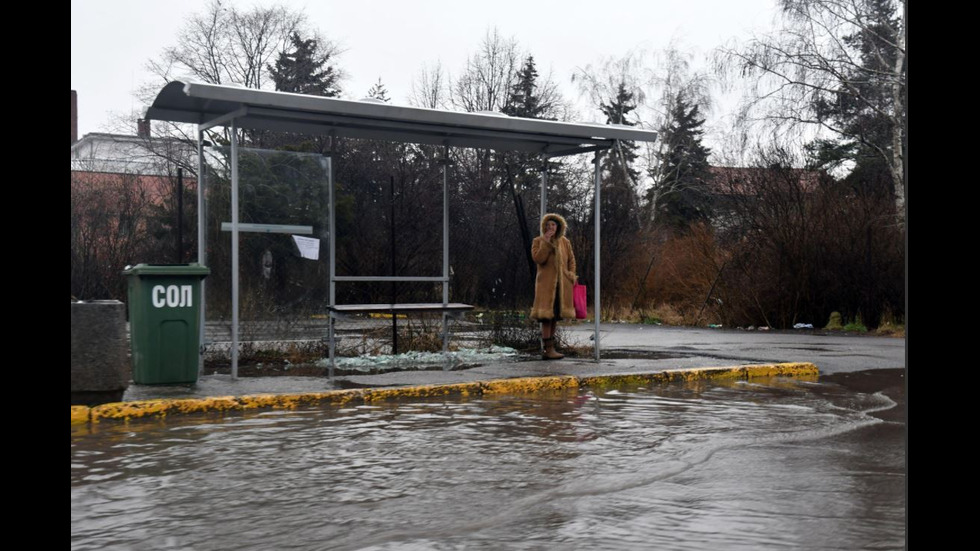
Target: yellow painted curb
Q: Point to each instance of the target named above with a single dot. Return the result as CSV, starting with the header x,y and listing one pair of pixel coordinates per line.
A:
x,y
79,414
528,385
425,391
797,369
525,385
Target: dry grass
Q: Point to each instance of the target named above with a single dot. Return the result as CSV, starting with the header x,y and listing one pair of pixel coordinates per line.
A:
x,y
891,325
663,314
422,336
514,330
574,348
417,334
891,330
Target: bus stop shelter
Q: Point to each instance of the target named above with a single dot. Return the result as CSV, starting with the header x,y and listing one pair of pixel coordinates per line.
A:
x,y
236,108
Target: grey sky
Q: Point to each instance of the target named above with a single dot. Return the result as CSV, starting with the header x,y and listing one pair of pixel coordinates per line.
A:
x,y
111,40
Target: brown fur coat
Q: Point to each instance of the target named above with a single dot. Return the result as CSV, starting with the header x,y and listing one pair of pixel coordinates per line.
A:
x,y
556,269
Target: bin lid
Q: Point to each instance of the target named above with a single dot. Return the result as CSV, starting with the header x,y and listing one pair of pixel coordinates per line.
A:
x,y
189,269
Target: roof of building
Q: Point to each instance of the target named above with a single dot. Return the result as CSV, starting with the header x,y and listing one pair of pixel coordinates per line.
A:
x,y
128,154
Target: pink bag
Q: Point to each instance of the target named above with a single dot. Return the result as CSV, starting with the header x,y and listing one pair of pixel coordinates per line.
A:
x,y
581,301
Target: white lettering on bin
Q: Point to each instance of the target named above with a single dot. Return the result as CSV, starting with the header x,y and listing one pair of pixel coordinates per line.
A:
x,y
172,296
158,296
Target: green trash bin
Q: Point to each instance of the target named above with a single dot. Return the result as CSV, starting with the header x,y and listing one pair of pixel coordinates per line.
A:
x,y
164,321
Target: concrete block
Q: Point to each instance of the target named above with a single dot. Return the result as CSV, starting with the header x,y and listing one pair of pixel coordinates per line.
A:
x,y
100,366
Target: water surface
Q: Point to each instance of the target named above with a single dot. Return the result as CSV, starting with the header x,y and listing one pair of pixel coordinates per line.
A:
x,y
767,464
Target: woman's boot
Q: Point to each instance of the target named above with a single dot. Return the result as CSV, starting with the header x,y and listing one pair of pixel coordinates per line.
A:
x,y
549,350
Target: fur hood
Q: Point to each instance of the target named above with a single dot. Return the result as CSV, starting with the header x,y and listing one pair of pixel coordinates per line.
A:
x,y
557,218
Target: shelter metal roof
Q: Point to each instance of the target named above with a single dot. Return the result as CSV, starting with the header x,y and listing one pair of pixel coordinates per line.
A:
x,y
214,105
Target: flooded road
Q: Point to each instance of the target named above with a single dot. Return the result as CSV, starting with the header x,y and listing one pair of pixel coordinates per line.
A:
x,y
766,464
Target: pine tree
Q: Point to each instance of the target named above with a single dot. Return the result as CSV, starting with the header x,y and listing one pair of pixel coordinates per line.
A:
x,y
523,100
619,183
305,70
679,194
619,209
379,92
619,161
517,170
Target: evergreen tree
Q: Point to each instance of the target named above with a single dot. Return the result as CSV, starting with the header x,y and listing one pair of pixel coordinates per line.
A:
x,y
305,70
619,208
619,182
379,92
679,194
518,170
524,100
618,110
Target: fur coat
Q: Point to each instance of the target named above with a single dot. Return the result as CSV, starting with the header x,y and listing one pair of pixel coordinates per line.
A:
x,y
556,270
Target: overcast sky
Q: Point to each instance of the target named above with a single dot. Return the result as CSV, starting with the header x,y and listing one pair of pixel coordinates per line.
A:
x,y
111,40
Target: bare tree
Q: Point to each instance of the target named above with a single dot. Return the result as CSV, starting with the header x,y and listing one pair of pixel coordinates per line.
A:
x,y
839,66
484,85
429,89
489,75
801,245
228,45
111,220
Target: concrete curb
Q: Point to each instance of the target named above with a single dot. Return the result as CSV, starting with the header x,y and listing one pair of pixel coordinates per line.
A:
x,y
121,411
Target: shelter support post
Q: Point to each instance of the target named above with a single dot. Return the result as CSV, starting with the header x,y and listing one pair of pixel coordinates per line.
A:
x,y
202,249
445,248
234,249
331,207
597,209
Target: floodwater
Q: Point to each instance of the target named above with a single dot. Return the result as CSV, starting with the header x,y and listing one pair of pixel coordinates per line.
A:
x,y
766,464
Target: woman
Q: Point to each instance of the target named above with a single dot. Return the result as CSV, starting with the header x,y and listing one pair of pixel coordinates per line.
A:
x,y
552,252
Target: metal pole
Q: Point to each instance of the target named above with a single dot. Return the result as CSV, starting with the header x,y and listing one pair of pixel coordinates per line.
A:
x,y
234,249
394,284
544,186
333,228
202,248
598,223
445,248
333,254
180,215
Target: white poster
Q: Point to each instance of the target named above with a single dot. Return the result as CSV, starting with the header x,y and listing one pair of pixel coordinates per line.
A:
x,y
309,247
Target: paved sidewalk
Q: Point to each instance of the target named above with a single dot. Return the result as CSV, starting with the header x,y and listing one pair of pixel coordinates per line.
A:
x,y
627,349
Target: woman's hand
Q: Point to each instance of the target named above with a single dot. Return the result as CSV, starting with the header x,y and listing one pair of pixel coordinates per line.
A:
x,y
549,232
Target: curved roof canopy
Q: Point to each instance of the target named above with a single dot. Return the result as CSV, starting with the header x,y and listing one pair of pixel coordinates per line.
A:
x,y
213,105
